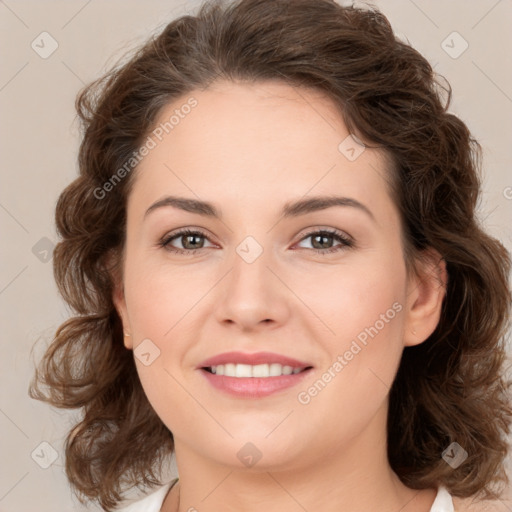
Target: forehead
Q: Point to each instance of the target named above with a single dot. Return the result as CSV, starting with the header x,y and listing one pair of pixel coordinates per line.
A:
x,y
263,140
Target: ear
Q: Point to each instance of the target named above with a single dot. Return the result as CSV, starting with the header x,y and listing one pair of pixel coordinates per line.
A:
x,y
118,297
426,289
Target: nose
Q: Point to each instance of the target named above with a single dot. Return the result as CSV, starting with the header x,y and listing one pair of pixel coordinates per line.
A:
x,y
253,295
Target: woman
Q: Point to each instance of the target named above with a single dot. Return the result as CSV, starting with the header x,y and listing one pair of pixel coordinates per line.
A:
x,y
278,275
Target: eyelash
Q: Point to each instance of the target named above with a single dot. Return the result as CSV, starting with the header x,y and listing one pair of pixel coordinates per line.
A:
x,y
346,242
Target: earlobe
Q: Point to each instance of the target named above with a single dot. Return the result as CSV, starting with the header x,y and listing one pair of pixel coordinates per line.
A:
x,y
127,340
425,295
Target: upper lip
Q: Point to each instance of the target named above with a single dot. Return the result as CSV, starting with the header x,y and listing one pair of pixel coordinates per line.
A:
x,y
252,359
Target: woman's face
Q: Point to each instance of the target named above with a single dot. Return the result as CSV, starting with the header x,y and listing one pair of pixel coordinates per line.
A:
x,y
276,273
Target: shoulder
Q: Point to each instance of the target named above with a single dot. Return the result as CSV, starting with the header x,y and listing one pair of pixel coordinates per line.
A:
x,y
472,504
149,503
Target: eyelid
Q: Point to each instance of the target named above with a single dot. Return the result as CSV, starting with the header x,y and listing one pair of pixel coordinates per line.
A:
x,y
329,230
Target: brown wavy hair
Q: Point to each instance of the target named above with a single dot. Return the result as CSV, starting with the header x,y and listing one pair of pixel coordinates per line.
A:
x,y
451,388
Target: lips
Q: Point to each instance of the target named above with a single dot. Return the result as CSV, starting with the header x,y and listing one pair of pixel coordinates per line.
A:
x,y
253,375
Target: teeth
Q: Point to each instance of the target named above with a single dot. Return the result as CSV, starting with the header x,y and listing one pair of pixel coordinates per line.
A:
x,y
242,370
259,370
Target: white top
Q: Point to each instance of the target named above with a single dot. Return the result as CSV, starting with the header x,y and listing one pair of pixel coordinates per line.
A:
x,y
153,502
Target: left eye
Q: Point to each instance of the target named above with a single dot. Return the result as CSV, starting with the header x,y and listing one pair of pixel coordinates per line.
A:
x,y
322,241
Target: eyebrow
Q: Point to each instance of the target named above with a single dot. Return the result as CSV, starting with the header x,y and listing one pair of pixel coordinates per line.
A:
x,y
290,209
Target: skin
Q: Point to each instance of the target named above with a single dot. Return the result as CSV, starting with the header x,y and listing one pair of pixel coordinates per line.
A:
x,y
249,149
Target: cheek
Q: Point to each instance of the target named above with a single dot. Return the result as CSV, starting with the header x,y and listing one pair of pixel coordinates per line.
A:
x,y
350,298
363,360
158,299
159,295
164,304
364,308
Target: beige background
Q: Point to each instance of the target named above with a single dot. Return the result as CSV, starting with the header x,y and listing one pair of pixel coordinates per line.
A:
x,y
39,140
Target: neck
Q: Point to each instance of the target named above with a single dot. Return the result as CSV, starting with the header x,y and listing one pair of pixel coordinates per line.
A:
x,y
355,477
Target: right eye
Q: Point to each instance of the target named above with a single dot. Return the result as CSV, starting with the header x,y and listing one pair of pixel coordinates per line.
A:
x,y
189,239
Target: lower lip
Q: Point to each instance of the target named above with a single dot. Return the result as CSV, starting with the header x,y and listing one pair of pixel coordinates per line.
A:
x,y
253,387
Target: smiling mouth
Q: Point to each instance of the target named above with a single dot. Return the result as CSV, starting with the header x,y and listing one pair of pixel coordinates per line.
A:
x,y
254,371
